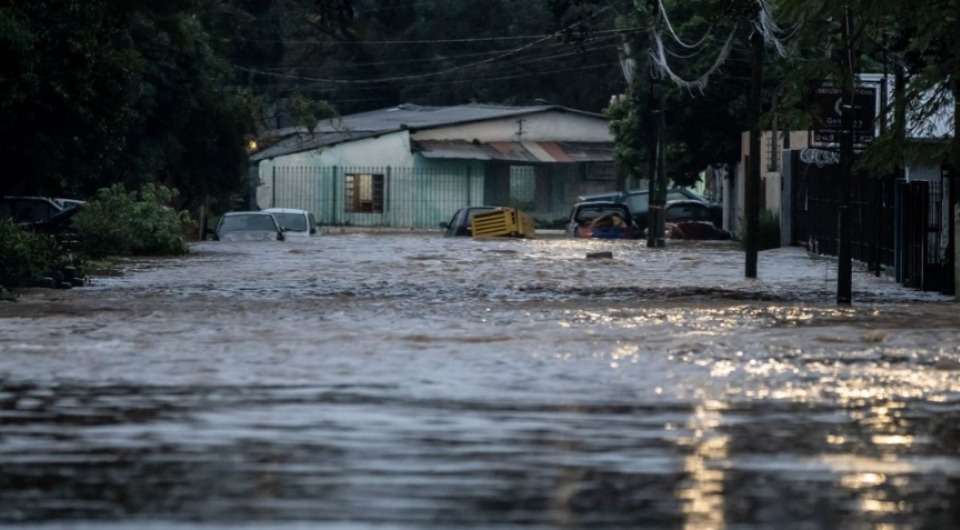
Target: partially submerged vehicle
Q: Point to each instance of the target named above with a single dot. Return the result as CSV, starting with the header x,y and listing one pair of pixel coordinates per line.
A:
x,y
602,220
639,202
26,210
294,222
691,220
489,221
249,226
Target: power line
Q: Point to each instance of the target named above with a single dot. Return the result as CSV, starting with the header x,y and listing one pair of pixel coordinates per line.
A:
x,y
430,41
448,82
290,68
416,76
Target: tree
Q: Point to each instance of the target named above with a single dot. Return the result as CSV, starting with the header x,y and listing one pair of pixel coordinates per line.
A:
x,y
918,38
67,93
106,91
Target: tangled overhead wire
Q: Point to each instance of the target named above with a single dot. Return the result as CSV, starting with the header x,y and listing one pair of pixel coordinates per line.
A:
x,y
765,23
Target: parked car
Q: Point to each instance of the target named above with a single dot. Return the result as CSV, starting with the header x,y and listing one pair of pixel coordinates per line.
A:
x,y
639,202
459,225
691,220
248,226
602,219
295,223
28,210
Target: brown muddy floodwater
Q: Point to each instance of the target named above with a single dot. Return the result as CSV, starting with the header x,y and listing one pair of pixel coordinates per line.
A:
x,y
406,381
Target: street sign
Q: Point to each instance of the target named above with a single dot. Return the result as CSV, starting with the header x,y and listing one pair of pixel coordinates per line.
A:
x,y
827,102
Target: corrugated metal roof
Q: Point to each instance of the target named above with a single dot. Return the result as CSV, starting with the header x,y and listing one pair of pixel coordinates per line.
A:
x,y
413,117
553,152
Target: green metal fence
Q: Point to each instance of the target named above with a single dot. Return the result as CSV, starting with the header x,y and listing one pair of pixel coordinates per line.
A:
x,y
420,197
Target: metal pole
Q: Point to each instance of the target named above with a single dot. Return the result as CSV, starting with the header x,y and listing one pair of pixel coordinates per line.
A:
x,y
654,208
751,190
844,254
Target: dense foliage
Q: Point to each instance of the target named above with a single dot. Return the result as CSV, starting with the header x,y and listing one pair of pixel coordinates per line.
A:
x,y
25,256
117,223
114,91
100,92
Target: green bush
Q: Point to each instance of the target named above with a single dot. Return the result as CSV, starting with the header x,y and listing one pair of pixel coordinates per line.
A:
x,y
769,231
25,256
117,223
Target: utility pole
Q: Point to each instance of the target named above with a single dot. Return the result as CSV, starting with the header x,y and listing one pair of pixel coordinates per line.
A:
x,y
658,191
955,160
844,255
751,202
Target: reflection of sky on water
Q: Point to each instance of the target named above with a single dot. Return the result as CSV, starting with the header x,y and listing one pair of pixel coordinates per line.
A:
x,y
427,383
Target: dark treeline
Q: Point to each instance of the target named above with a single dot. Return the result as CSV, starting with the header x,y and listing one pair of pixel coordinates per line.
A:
x,y
131,91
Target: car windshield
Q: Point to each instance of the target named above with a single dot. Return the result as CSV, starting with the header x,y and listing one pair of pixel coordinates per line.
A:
x,y
587,214
296,222
242,223
688,194
694,212
638,202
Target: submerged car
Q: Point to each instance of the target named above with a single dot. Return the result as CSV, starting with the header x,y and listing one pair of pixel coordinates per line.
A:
x,y
460,224
639,202
602,220
691,220
249,226
26,210
295,223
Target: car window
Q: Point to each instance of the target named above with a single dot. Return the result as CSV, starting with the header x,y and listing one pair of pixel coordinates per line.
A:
x,y
639,202
696,196
600,197
261,222
296,222
677,195
240,223
588,214
28,210
696,212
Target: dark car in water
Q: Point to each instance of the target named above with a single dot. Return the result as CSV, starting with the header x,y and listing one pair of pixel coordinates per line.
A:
x,y
27,210
459,225
248,226
691,220
602,220
639,202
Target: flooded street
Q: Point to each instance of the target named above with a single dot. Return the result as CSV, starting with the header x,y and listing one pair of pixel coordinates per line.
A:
x,y
406,381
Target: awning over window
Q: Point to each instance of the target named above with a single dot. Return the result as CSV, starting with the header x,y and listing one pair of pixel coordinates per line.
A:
x,y
555,152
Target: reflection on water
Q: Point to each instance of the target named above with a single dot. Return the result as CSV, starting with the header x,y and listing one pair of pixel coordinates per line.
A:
x,y
704,492
413,382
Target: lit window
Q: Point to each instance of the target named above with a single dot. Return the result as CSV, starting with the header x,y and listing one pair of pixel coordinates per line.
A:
x,y
363,193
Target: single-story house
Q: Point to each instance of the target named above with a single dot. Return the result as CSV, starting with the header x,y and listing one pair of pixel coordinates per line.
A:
x,y
413,166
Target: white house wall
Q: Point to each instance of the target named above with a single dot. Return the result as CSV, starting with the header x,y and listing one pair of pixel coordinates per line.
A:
x,y
554,126
391,150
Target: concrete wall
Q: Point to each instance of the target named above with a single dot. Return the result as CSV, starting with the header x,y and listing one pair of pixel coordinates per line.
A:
x,y
773,193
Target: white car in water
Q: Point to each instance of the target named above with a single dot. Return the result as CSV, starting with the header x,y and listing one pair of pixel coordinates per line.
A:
x,y
295,223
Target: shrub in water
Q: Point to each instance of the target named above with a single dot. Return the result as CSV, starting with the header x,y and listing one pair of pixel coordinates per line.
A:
x,y
117,223
25,256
